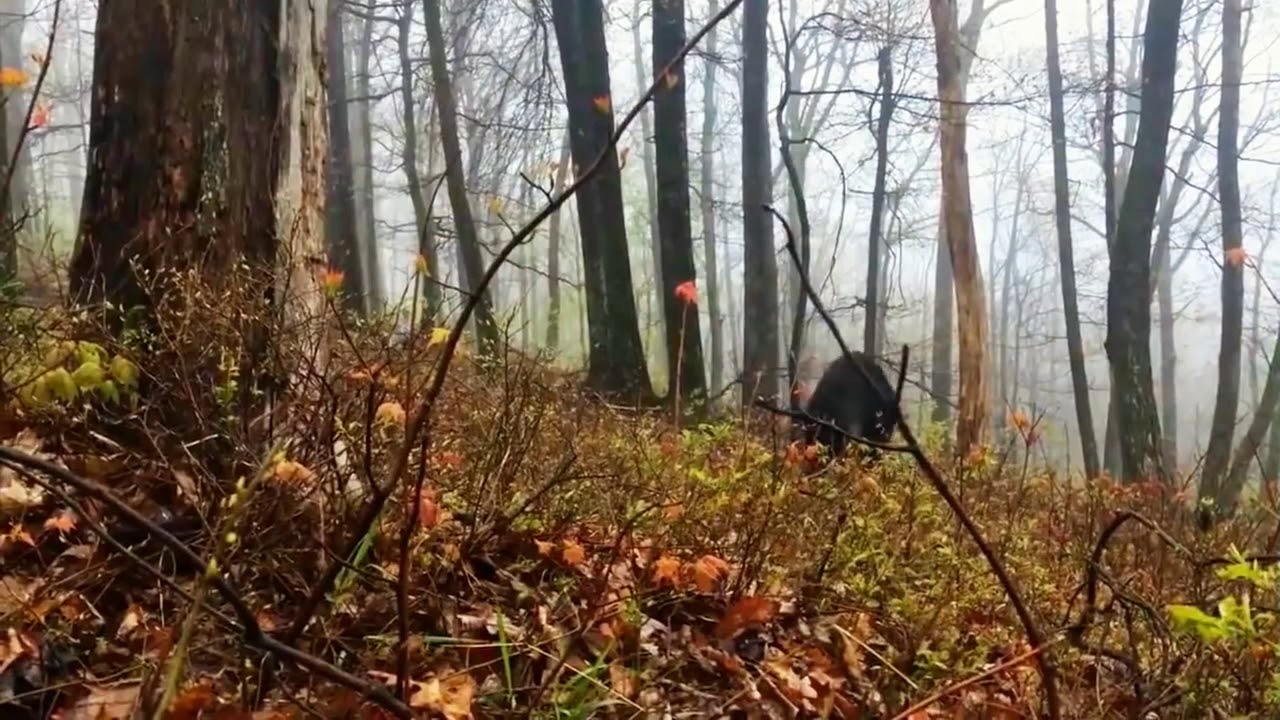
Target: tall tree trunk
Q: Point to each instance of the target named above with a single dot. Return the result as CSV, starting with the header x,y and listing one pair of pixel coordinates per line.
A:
x,y
1111,439
971,311
340,207
1168,359
1128,299
1008,299
684,330
366,214
760,271
1223,427
553,252
13,19
207,156
875,249
1066,252
650,178
617,361
707,205
468,239
422,221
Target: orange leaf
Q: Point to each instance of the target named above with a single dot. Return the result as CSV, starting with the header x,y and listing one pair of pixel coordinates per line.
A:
x,y
64,521
666,569
602,103
1236,256
430,514
573,552
332,281
745,612
687,292
707,571
190,702
12,77
544,548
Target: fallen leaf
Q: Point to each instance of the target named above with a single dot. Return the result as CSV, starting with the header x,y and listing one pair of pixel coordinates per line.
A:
x,y
450,697
105,703
438,336
191,701
621,680
573,552
745,612
666,569
707,571
545,548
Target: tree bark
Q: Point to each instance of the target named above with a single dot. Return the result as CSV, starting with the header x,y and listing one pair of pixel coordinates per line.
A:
x,y
760,271
1066,252
340,206
687,378
426,242
616,362
553,252
1128,299
971,312
875,250
1223,425
707,205
468,239
366,213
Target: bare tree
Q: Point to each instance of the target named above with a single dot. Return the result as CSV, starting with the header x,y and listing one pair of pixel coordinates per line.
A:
x,y
1222,430
616,363
706,197
468,240
409,161
971,426
875,250
1128,305
1066,253
340,207
553,252
760,270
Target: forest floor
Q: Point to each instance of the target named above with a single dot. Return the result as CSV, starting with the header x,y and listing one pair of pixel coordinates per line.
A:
x,y
569,558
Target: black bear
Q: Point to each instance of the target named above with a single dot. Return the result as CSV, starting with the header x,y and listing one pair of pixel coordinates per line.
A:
x,y
854,395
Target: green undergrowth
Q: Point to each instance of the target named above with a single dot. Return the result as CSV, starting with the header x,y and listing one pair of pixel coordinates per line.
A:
x,y
574,558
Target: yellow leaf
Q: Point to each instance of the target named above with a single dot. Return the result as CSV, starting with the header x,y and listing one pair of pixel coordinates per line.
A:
x,y
573,552
670,79
291,472
450,697
390,413
420,265
602,103
495,205
12,77
438,336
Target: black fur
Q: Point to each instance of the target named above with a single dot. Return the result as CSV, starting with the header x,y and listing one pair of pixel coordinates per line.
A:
x,y
844,398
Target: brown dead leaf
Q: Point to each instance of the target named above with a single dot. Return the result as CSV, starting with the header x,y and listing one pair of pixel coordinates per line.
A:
x,y
708,570
573,552
621,680
744,613
191,701
114,702
451,697
131,620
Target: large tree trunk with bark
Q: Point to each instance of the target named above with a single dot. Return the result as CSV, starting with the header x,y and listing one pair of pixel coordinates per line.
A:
x,y
468,239
340,208
706,180
1128,293
616,363
680,309
1222,429
971,312
1066,251
875,244
760,270
205,154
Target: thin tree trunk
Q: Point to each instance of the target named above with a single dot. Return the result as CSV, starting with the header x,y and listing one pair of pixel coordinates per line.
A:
x,y
760,271
1222,429
875,251
1168,359
366,214
1066,252
650,184
1128,298
1247,454
340,210
409,159
468,240
553,252
707,202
